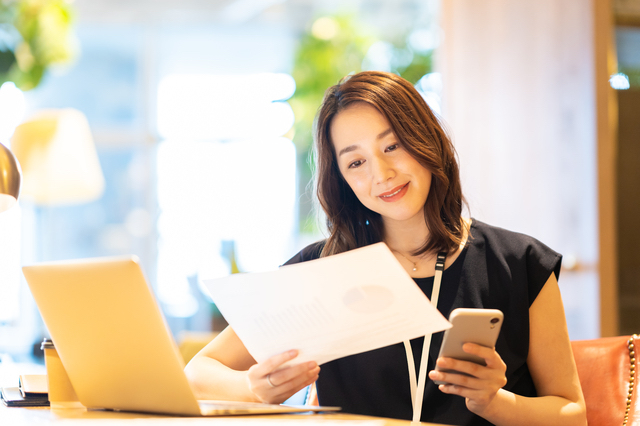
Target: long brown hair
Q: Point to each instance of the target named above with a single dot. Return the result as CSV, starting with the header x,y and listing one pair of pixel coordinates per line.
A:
x,y
350,223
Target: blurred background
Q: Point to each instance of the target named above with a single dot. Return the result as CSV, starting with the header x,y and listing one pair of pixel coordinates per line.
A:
x,y
181,131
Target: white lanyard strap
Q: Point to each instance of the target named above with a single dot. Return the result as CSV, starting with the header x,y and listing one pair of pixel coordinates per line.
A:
x,y
417,389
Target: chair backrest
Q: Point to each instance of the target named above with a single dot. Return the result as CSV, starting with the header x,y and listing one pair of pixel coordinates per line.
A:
x,y
607,369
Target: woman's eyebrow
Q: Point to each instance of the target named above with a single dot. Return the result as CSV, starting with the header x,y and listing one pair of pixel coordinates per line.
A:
x,y
356,146
385,133
348,149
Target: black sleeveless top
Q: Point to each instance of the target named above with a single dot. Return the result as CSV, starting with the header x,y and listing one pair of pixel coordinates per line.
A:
x,y
497,269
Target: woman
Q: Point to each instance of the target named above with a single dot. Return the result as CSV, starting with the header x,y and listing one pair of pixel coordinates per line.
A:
x,y
387,172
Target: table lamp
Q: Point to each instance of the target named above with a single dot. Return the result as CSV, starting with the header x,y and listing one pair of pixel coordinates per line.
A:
x,y
59,161
9,179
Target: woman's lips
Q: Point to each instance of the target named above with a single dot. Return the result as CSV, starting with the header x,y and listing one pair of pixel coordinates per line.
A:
x,y
395,194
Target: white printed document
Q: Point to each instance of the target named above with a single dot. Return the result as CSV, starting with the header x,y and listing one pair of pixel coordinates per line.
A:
x,y
327,308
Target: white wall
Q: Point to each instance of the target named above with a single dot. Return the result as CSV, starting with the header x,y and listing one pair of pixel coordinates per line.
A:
x,y
519,97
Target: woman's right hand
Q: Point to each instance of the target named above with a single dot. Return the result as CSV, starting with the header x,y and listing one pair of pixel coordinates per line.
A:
x,y
273,384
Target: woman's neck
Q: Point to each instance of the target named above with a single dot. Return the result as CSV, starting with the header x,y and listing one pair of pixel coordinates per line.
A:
x,y
405,237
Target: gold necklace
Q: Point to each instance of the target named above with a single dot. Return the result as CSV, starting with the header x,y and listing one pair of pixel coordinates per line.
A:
x,y
415,264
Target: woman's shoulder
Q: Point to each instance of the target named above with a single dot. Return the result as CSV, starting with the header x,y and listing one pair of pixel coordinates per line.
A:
x,y
513,247
501,238
310,252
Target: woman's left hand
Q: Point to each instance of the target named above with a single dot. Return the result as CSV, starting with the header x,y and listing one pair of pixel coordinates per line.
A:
x,y
485,381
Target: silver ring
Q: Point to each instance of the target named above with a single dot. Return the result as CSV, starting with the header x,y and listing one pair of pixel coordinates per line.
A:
x,y
269,381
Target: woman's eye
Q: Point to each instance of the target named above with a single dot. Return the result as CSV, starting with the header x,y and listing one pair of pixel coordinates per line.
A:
x,y
355,164
392,147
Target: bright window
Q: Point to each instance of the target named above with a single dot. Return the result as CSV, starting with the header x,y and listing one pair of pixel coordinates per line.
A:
x,y
224,174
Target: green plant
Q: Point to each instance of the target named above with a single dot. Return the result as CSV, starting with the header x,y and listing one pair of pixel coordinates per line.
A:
x,y
320,61
34,35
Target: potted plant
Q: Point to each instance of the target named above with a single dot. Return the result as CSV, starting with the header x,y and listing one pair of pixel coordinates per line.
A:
x,y
34,35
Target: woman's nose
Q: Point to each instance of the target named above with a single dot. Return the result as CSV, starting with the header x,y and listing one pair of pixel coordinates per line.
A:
x,y
382,170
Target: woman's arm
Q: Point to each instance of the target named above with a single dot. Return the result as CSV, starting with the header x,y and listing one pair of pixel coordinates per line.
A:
x,y
552,367
224,370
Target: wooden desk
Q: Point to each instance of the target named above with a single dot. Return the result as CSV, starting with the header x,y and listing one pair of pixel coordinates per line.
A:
x,y
44,416
18,416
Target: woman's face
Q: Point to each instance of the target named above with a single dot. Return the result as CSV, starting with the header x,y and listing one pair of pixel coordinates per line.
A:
x,y
384,177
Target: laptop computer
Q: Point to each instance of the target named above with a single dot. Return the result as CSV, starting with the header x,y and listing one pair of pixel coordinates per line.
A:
x,y
115,344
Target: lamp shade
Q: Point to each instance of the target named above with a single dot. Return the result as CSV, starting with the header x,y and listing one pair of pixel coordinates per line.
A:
x,y
9,179
58,157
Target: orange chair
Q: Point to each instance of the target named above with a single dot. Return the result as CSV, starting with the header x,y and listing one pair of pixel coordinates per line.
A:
x,y
606,367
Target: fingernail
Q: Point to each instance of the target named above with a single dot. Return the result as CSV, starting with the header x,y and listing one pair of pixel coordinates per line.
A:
x,y
293,352
311,364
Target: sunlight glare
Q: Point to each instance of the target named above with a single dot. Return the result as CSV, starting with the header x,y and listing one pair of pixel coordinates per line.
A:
x,y
242,191
12,109
219,107
619,81
325,28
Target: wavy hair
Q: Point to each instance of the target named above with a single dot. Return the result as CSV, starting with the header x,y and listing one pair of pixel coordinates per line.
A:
x,y
350,223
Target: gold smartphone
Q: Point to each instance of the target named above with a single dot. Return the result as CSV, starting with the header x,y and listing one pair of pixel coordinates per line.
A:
x,y
470,325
